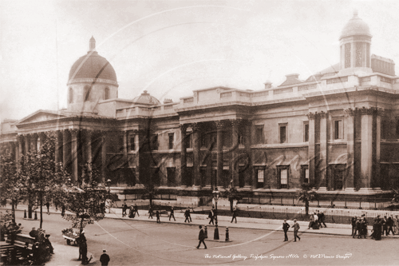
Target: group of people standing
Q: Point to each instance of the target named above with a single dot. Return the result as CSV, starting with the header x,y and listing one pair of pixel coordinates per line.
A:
x,y
381,226
317,220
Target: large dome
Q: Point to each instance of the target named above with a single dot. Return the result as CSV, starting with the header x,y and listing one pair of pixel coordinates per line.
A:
x,y
146,98
92,66
355,27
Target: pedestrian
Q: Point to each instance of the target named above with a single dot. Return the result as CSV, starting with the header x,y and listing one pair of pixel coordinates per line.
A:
x,y
33,233
48,207
63,210
358,227
150,213
311,221
136,210
390,225
158,216
296,229
172,213
363,226
234,215
187,215
316,221
104,258
322,218
201,237
286,226
377,228
131,211
124,209
385,226
211,216
353,221
82,243
396,225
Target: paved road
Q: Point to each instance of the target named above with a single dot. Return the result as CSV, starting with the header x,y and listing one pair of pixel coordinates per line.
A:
x,y
132,242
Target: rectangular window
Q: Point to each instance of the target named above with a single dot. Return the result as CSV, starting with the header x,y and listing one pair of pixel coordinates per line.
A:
x,y
305,174
283,175
306,132
240,139
171,176
261,178
259,134
188,141
283,133
132,143
338,129
171,140
154,142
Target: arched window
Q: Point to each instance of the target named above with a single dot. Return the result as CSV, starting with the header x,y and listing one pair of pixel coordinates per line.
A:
x,y
70,95
106,93
86,93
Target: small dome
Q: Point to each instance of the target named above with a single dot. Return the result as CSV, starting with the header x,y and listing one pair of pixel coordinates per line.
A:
x,y
92,66
146,98
355,27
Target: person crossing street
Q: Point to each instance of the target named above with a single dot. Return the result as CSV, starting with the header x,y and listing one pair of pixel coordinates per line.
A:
x,y
201,237
286,226
296,229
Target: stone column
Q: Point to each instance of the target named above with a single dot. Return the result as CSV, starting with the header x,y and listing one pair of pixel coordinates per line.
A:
x,y
366,158
349,184
183,154
57,147
219,143
19,139
125,146
248,173
322,169
312,148
74,154
34,143
89,155
377,144
65,145
27,143
196,154
42,137
234,152
103,156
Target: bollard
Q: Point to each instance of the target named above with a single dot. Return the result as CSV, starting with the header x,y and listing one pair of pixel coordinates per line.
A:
x,y
24,214
206,232
35,215
227,234
216,234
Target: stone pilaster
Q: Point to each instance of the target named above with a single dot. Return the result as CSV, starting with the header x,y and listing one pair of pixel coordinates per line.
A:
x,y
248,173
89,156
323,164
312,147
57,147
103,156
183,154
74,154
196,154
33,140
65,147
219,143
234,167
27,143
377,144
349,182
366,160
20,149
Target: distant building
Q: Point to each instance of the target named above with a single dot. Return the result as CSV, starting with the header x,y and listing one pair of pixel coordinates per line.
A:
x,y
337,131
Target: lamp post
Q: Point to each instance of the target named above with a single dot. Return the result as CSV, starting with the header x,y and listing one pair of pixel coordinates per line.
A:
x,y
216,197
109,194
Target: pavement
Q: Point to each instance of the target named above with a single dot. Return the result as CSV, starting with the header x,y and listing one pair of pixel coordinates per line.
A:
x,y
64,253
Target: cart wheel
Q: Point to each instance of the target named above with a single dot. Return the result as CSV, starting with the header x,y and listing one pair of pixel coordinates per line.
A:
x,y
68,242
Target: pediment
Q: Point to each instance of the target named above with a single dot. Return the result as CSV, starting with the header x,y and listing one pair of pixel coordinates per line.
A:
x,y
41,115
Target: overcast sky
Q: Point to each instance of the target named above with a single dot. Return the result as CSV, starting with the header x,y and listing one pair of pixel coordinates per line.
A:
x,y
173,47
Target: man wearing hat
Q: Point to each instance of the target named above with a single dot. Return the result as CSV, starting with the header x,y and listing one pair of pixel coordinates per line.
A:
x,y
104,258
201,237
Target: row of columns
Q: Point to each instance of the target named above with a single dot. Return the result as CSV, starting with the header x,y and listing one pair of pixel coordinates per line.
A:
x,y
66,141
197,129
368,121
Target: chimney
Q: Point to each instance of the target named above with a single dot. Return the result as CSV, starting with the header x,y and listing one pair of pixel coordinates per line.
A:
x,y
268,85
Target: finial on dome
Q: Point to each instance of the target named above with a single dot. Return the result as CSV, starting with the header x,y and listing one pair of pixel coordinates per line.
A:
x,y
355,13
92,44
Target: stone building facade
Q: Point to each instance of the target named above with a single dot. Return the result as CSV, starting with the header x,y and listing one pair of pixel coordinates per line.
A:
x,y
337,131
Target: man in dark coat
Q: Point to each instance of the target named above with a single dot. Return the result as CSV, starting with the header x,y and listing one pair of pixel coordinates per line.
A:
x,y
390,225
201,237
158,217
296,229
81,240
33,233
150,213
322,218
211,216
172,213
354,219
124,209
286,226
187,215
136,210
104,258
377,228
234,215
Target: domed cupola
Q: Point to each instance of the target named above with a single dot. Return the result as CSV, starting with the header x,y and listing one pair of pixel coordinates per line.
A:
x,y
91,79
355,41
146,99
